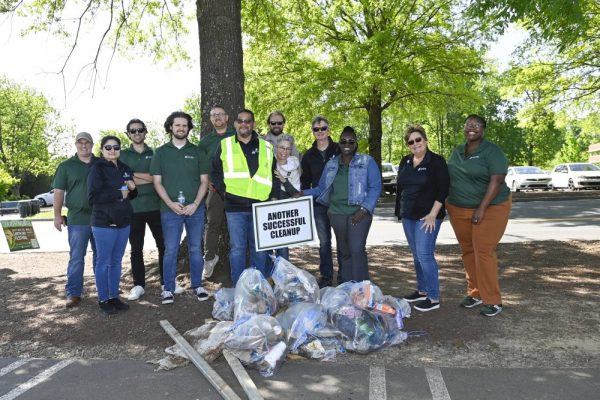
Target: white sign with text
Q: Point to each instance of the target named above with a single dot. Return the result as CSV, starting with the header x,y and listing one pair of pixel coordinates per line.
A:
x,y
283,223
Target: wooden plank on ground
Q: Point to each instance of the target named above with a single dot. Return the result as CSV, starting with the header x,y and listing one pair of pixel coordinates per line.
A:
x,y
242,376
213,377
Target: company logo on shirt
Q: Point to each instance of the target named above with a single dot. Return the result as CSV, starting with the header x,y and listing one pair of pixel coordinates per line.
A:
x,y
421,169
148,157
188,157
473,157
255,151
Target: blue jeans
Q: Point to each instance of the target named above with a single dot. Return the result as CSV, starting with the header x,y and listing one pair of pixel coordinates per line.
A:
x,y
111,243
172,225
422,246
79,237
324,233
241,236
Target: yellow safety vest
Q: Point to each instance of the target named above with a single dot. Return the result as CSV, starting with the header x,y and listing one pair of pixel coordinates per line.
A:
x,y
236,174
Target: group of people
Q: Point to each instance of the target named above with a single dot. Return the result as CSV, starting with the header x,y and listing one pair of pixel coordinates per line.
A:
x,y
111,198
471,188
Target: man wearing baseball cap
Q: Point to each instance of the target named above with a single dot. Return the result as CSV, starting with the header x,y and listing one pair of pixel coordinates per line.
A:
x,y
70,189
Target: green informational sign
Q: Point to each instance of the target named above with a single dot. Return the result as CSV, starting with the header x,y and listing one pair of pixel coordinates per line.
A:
x,y
19,235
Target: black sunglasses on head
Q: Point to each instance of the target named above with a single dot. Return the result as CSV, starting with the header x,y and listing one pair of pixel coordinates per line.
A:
x,y
109,147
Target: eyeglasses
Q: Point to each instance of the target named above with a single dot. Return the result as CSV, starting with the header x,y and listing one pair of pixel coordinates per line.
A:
x,y
133,131
473,126
244,121
417,140
109,147
348,141
321,129
218,114
276,123
284,148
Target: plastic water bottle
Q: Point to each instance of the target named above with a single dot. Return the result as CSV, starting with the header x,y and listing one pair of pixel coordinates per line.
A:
x,y
181,198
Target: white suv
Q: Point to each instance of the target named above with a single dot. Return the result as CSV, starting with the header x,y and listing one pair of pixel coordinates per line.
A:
x,y
389,176
576,176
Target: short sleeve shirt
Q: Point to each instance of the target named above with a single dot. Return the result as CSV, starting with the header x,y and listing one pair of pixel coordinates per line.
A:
x,y
180,170
71,176
338,200
470,175
147,199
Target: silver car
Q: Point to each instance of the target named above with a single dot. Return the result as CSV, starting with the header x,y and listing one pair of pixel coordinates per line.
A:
x,y
575,176
528,178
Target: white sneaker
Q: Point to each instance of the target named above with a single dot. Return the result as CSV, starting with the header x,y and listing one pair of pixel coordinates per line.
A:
x,y
167,297
178,289
201,293
136,293
209,267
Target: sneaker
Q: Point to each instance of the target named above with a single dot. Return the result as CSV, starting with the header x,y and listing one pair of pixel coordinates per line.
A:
x,y
107,307
470,302
324,282
178,289
415,296
209,267
167,297
427,305
201,293
118,304
490,310
135,293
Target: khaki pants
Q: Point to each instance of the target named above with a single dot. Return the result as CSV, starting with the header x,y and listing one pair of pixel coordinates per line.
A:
x,y
478,247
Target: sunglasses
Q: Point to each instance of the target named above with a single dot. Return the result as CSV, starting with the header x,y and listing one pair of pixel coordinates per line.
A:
x,y
133,131
417,140
321,129
279,123
348,141
244,121
109,147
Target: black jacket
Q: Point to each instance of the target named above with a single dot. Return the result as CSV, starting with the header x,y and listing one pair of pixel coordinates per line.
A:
x,y
429,182
313,164
235,203
104,183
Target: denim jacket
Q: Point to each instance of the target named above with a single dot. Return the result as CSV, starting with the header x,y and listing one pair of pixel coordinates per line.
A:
x,y
364,182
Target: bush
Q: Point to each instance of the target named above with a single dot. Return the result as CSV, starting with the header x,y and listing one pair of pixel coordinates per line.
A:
x,y
6,182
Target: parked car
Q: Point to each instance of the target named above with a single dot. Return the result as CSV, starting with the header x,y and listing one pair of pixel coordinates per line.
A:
x,y
45,199
389,176
575,176
528,178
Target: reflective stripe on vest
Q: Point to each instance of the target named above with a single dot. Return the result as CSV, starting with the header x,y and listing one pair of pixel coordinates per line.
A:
x,y
236,174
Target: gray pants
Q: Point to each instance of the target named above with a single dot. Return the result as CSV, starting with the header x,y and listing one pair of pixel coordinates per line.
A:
x,y
351,246
215,218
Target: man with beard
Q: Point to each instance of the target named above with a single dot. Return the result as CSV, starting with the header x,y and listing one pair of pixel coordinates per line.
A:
x,y
215,211
70,184
180,174
276,123
243,169
146,207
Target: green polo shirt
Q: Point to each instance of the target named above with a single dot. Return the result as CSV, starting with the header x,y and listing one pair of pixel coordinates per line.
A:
x,y
180,170
338,200
71,176
210,142
470,176
147,199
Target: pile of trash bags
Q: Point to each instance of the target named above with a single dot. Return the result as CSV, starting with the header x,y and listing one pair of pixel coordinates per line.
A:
x,y
261,323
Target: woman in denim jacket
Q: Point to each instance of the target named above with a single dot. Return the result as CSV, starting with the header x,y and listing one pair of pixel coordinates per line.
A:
x,y
350,186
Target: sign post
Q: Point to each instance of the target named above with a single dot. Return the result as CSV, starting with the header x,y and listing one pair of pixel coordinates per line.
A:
x,y
20,235
283,223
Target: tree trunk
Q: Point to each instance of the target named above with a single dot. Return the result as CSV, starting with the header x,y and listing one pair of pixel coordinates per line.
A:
x,y
375,126
221,57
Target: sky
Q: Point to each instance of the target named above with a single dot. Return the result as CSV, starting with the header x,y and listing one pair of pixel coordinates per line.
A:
x,y
135,86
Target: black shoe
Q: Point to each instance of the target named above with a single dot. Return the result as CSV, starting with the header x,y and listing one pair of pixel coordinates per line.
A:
x,y
427,305
415,296
324,282
118,304
107,307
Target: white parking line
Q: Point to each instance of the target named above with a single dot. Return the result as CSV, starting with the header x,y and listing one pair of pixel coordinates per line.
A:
x,y
13,366
377,389
41,377
436,384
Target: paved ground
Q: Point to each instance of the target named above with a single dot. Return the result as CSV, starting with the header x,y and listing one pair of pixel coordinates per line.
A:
x,y
98,380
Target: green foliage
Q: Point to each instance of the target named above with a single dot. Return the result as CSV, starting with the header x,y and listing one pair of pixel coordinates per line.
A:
x,y
23,123
6,183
